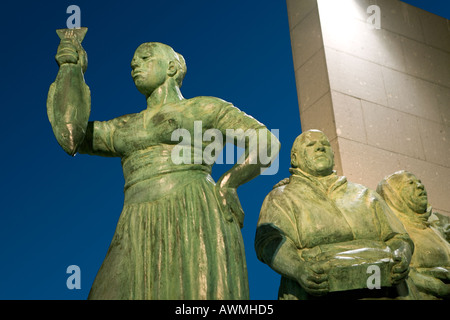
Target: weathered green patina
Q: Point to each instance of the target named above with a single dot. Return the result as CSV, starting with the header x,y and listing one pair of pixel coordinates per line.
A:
x,y
324,234
178,236
430,264
69,102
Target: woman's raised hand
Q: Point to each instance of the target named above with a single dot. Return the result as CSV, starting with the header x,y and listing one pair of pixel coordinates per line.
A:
x,y
70,51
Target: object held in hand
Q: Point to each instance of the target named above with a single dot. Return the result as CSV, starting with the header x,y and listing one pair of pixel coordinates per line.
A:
x,y
69,99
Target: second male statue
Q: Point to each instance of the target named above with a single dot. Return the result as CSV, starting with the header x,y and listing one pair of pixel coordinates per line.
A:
x,y
322,232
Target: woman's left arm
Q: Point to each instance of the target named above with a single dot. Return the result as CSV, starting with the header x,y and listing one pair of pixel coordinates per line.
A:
x,y
260,149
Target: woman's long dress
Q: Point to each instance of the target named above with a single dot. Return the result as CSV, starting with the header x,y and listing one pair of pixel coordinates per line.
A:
x,y
172,240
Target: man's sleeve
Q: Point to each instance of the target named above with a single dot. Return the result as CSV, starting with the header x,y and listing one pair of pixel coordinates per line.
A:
x,y
276,225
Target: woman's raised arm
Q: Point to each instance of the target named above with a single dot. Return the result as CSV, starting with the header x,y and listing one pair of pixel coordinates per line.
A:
x,y
69,98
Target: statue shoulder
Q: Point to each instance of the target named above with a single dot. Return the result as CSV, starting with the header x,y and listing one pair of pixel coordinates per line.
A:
x,y
282,183
278,191
205,101
205,106
361,189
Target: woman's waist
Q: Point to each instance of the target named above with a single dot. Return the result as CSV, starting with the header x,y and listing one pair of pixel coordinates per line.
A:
x,y
157,160
147,188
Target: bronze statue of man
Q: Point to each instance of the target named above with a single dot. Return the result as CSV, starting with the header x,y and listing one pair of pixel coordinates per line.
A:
x,y
430,264
325,235
178,236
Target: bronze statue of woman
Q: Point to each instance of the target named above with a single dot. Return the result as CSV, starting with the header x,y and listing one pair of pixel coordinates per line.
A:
x,y
407,197
178,236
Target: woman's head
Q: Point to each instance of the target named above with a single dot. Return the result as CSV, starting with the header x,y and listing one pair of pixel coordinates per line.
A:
x,y
404,188
153,64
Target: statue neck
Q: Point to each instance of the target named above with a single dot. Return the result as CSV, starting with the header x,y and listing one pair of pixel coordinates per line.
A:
x,y
166,93
329,182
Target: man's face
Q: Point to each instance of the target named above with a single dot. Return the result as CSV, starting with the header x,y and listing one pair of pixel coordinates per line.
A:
x,y
315,155
414,194
149,69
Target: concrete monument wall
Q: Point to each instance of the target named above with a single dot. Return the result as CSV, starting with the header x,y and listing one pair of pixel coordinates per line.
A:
x,y
377,82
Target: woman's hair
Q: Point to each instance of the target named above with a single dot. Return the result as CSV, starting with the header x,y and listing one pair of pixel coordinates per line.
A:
x,y
394,181
171,55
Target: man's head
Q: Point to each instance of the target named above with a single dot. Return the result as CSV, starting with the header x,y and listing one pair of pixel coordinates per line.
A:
x,y
312,153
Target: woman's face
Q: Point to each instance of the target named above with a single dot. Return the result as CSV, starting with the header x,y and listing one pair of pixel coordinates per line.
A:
x,y
414,194
148,69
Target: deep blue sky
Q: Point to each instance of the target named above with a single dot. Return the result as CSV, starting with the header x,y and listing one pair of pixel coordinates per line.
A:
x,y
56,210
